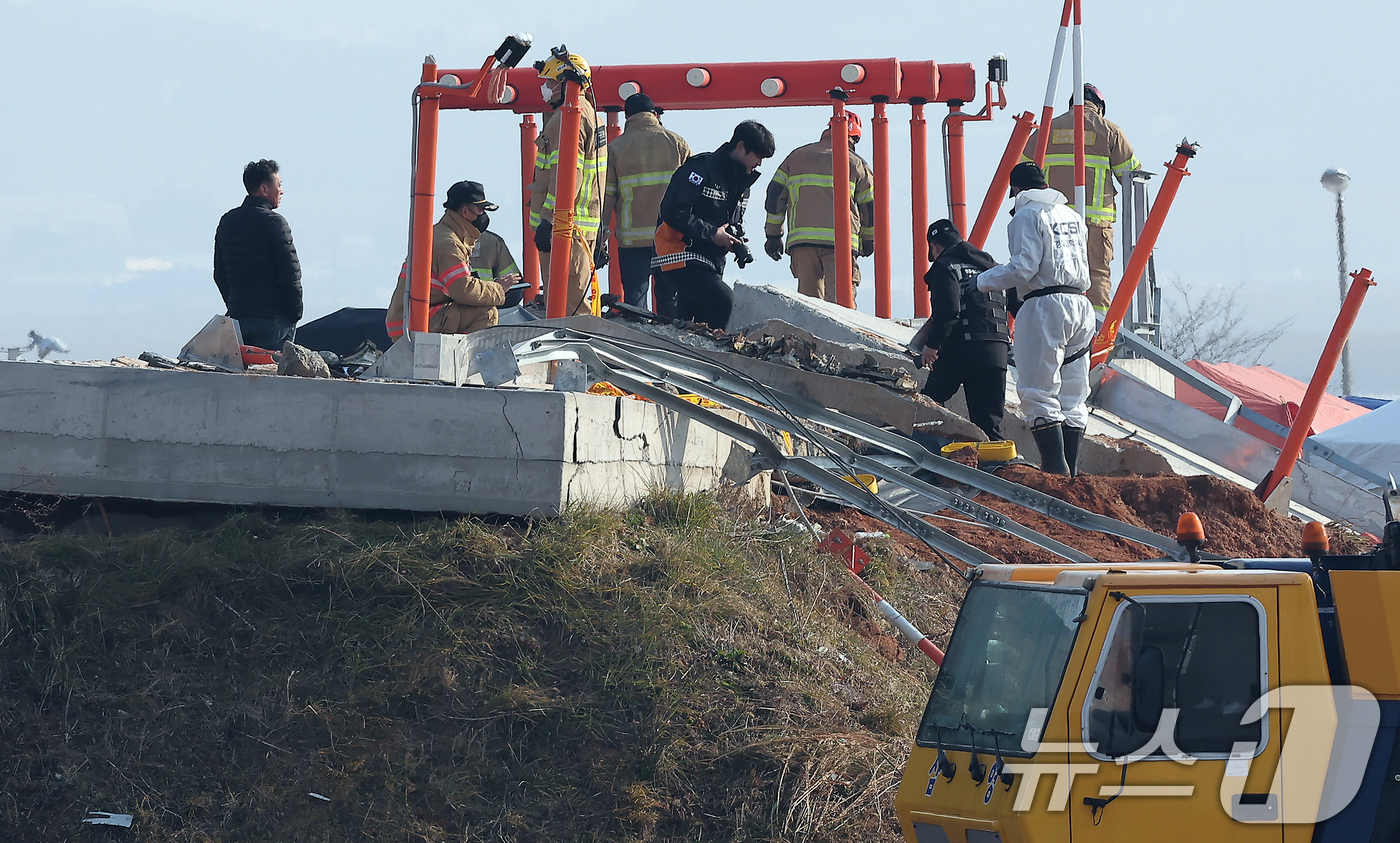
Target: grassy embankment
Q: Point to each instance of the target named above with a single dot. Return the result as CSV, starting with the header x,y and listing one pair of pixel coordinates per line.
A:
x,y
686,670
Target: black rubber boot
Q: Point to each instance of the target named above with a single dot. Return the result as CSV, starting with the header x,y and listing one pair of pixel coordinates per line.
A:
x,y
1073,436
1050,439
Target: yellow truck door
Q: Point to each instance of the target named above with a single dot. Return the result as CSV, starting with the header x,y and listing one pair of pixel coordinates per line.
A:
x,y
1170,676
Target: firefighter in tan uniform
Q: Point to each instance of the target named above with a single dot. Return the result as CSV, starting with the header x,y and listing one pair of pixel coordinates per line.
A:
x,y
1107,157
640,164
492,260
459,302
592,169
802,194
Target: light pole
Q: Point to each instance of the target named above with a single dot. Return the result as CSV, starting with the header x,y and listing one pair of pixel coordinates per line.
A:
x,y
1336,181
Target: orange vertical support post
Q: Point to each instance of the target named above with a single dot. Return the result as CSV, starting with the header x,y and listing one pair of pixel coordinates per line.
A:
x,y
880,130
614,268
996,192
1047,112
1102,345
529,255
841,193
565,197
1317,387
957,167
918,198
420,256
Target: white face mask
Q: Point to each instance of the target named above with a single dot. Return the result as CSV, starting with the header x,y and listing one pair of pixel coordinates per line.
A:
x,y
546,92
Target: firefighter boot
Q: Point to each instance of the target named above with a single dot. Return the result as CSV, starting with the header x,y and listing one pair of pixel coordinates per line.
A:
x,y
1073,436
1050,440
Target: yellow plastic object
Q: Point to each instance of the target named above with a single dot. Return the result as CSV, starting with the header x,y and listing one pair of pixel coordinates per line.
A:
x,y
1000,451
866,480
947,450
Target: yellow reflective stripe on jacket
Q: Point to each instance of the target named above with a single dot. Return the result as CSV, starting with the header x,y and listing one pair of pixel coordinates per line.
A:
x,y
1129,165
805,234
591,171
627,189
1098,168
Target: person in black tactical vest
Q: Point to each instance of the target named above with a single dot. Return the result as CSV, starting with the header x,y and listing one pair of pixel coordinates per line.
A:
x,y
965,340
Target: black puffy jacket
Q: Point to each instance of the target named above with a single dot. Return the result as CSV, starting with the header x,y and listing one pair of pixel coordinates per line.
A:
x,y
708,191
255,263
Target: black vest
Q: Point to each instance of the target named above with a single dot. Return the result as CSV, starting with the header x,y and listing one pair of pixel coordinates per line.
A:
x,y
983,315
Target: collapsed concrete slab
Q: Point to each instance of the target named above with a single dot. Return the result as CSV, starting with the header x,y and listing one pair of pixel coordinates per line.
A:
x,y
845,354
261,439
756,305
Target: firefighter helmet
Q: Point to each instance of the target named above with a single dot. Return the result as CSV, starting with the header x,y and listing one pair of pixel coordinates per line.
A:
x,y
564,65
852,125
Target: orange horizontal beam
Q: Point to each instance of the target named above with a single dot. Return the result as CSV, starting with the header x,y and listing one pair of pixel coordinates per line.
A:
x,y
739,85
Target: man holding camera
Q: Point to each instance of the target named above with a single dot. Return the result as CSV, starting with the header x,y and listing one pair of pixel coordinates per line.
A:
x,y
803,194
701,219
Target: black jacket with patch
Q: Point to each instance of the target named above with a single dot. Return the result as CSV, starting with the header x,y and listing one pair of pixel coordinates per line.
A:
x,y
255,263
708,191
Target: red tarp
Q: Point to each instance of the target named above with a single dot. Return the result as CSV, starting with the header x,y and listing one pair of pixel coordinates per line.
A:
x,y
1273,395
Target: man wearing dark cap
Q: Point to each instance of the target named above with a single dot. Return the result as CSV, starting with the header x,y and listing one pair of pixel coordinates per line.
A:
x,y
1049,271
965,339
459,301
640,165
1108,157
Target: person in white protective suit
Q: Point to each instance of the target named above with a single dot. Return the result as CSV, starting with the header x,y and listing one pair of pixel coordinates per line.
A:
x,y
1049,269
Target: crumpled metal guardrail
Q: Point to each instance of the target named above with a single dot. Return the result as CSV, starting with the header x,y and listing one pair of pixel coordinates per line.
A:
x,y
637,367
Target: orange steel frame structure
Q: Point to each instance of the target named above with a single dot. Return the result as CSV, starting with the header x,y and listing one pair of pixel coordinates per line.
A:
x,y
837,83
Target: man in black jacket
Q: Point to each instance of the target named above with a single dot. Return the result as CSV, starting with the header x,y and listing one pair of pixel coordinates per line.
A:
x,y
965,339
255,263
701,219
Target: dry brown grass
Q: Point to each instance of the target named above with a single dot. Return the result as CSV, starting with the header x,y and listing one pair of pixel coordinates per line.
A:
x,y
682,671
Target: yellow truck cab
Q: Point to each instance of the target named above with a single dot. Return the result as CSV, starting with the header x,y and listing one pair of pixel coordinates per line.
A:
x,y
1154,701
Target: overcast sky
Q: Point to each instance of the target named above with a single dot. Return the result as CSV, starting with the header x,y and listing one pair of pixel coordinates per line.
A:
x,y
127,124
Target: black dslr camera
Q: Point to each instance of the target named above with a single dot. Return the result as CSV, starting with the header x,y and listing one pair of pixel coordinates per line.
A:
x,y
742,256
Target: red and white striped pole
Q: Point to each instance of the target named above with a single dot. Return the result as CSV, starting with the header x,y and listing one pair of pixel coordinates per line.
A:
x,y
1079,197
892,615
1047,113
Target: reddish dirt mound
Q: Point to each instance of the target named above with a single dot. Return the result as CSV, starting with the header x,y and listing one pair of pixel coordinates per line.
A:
x,y
1236,523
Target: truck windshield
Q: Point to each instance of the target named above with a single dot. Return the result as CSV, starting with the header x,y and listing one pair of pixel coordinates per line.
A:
x,y
1007,656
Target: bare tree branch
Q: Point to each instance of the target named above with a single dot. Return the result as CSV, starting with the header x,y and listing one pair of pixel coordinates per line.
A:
x,y
1207,326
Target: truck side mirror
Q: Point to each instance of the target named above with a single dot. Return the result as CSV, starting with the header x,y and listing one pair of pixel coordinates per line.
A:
x,y
1149,681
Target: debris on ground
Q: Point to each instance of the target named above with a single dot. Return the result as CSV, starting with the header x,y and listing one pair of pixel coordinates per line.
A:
x,y
302,362
1237,524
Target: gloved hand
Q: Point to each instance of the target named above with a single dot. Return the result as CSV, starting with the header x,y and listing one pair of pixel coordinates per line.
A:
x,y
867,248
600,253
544,235
968,283
773,245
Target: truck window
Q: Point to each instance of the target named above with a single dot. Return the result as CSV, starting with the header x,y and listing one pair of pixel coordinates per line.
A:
x,y
1212,672
1007,656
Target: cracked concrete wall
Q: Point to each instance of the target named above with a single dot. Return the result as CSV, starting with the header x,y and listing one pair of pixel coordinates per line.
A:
x,y
237,438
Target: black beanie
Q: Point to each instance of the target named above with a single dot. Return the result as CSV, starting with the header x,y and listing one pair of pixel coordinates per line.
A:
x,y
637,103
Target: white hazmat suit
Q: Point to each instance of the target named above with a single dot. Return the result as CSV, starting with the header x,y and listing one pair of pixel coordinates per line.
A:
x,y
1049,249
